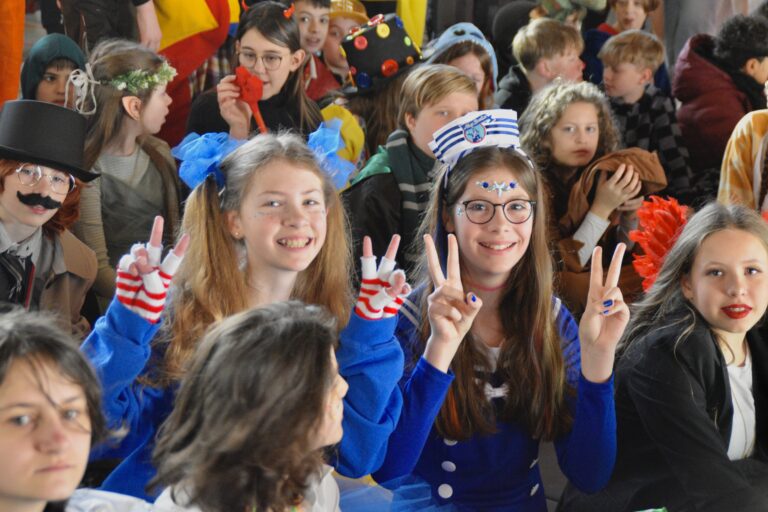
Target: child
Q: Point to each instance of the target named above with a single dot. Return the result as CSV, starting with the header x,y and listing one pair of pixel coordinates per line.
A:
x,y
50,415
718,80
630,15
268,45
544,49
644,114
47,67
345,15
279,359
743,178
42,265
464,46
691,376
389,195
267,226
313,18
495,362
128,105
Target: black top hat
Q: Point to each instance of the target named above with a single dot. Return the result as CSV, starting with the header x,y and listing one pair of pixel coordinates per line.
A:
x,y
45,134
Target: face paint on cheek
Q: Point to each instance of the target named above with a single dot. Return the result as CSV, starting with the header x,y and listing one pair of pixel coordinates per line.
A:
x,y
498,187
38,200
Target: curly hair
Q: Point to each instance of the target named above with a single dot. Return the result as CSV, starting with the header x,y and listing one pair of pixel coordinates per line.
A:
x,y
741,38
242,432
64,216
549,105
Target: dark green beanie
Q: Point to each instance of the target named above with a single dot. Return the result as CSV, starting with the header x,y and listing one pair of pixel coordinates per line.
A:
x,y
46,50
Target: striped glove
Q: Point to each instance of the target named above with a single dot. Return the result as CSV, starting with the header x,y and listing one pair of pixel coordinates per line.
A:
x,y
145,294
375,301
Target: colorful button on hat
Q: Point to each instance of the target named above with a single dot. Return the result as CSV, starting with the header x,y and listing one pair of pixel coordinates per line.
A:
x,y
378,51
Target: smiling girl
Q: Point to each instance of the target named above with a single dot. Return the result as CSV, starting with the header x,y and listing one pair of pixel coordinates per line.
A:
x,y
692,392
495,363
139,180
271,230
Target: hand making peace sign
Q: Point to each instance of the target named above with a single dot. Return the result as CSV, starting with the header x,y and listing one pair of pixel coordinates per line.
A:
x,y
450,311
605,317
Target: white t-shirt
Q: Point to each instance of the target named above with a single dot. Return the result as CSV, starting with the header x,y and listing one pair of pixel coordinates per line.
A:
x,y
742,444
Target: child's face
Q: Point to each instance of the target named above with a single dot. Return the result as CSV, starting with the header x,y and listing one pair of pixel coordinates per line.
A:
x,y
728,283
155,110
329,431
282,219
434,116
575,136
313,25
271,62
625,81
567,66
630,14
490,251
45,435
472,67
338,27
53,85
13,211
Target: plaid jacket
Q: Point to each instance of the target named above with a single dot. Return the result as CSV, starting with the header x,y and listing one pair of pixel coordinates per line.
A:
x,y
650,124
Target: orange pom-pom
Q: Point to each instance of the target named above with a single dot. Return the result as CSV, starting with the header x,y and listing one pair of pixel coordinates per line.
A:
x,y
660,223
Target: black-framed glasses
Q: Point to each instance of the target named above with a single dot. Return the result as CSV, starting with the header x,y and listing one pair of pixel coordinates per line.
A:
x,y
270,61
480,211
30,175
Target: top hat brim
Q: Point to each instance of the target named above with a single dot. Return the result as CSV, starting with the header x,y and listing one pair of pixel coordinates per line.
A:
x,y
23,156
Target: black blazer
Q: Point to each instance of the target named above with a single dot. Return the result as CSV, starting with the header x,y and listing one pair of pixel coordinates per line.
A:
x,y
674,414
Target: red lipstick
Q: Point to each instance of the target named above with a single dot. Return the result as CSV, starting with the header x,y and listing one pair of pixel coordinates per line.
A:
x,y
736,311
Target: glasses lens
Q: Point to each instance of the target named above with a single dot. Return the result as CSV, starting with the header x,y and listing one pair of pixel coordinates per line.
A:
x,y
479,211
517,211
61,184
247,59
271,62
28,175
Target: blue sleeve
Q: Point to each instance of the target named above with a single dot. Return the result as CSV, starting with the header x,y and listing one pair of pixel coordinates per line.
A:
x,y
118,348
661,80
371,361
423,394
587,453
593,66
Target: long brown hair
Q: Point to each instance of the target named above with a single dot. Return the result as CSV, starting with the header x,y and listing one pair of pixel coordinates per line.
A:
x,y
70,207
242,432
458,50
210,285
267,19
531,359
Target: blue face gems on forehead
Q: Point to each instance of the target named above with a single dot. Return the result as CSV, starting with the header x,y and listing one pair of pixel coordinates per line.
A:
x,y
498,187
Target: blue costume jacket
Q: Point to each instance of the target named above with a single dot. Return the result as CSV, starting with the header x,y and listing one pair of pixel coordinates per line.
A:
x,y
120,346
500,471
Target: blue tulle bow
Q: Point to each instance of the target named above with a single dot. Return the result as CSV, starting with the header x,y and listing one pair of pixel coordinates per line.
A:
x,y
200,156
325,142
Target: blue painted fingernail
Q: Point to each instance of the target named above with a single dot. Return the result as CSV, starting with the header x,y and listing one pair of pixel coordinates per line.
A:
x,y
606,312
608,303
474,298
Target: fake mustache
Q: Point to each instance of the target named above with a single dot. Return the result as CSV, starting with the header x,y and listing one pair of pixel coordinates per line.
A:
x,y
38,200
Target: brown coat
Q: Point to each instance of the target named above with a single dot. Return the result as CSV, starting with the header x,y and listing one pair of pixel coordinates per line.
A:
x,y
64,293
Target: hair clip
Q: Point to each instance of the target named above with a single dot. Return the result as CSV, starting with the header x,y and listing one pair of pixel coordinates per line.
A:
x,y
498,187
459,211
288,13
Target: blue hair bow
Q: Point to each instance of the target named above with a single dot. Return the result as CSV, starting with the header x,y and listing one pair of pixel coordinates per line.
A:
x,y
325,142
200,156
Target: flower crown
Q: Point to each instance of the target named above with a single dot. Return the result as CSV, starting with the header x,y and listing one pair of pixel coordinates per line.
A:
x,y
139,80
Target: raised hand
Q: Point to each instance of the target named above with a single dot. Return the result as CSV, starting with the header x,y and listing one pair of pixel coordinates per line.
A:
x,y
450,311
234,110
605,317
382,289
142,281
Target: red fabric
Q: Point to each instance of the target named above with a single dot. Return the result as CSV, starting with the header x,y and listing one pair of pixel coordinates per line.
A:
x,y
608,29
323,84
186,56
711,103
251,91
11,47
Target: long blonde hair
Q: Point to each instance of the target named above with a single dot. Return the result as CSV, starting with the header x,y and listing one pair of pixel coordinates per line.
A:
x,y
210,284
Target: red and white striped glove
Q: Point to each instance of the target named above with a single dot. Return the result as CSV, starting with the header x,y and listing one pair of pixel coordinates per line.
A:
x,y
142,280
382,289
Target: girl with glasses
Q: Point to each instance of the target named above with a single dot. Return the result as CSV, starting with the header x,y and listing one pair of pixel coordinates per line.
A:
x,y
494,362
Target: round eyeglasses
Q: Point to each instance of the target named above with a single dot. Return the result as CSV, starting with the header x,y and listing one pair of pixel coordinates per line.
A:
x,y
480,211
30,175
270,61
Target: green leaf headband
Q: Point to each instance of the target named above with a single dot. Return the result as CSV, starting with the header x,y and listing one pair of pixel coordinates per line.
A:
x,y
139,80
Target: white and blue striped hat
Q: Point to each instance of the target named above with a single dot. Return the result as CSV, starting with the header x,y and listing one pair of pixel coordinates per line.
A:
x,y
476,130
